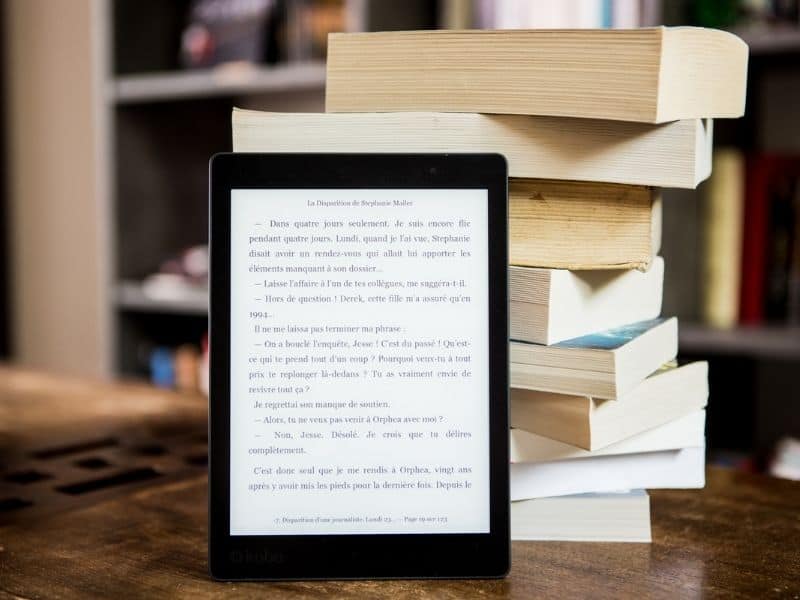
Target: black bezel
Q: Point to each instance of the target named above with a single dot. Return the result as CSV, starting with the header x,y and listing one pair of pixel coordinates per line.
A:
x,y
356,556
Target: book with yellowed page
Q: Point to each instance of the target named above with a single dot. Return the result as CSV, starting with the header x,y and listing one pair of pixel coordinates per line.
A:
x,y
676,154
606,364
650,75
578,225
591,423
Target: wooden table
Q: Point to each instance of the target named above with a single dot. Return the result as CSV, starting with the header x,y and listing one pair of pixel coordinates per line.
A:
x,y
103,494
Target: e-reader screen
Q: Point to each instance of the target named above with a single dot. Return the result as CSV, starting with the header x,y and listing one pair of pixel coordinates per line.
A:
x,y
359,361
358,376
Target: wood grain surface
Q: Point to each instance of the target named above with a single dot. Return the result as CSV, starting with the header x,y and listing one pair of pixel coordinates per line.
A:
x,y
739,537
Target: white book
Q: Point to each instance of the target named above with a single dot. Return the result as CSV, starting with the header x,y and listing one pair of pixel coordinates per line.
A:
x,y
684,432
585,14
510,14
563,14
677,469
626,14
676,154
610,517
551,305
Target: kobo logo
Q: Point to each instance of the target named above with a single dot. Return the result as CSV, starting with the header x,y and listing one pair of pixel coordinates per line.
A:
x,y
256,557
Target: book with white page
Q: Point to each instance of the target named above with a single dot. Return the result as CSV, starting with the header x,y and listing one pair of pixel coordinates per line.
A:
x,y
608,517
684,432
668,394
675,154
552,305
675,469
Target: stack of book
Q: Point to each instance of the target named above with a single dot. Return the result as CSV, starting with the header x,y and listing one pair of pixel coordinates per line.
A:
x,y
592,124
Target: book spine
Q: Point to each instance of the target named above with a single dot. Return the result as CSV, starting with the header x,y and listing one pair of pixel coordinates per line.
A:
x,y
767,237
793,308
779,250
723,239
751,307
625,14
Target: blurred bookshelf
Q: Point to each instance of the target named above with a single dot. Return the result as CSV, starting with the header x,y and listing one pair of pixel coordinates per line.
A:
x,y
166,104
228,81
770,342
163,120
754,350
130,296
771,40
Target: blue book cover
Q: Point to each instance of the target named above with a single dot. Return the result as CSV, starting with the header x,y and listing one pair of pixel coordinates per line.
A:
x,y
610,339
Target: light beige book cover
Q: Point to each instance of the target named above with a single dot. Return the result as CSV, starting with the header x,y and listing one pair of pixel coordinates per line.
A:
x,y
592,423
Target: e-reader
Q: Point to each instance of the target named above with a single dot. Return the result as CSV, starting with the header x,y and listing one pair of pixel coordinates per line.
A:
x,y
358,366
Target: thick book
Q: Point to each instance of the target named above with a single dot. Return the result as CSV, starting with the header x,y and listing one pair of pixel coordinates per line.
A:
x,y
607,364
676,154
684,432
591,423
650,75
578,225
608,517
670,469
552,305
